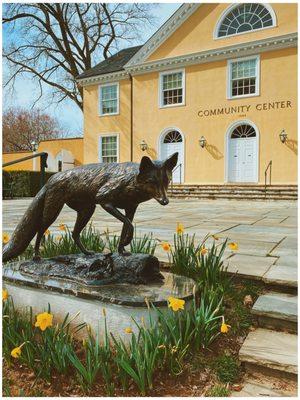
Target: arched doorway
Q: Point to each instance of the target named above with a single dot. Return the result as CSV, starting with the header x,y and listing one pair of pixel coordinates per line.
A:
x,y
242,152
171,141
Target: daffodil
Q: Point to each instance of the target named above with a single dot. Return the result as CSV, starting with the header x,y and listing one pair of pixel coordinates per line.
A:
x,y
161,346
16,352
47,232
215,237
203,251
166,246
62,227
4,294
128,330
5,238
43,321
179,229
224,327
233,246
176,304
58,238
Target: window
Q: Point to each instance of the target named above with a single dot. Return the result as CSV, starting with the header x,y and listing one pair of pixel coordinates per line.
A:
x,y
243,131
171,88
109,99
243,77
109,149
245,18
173,137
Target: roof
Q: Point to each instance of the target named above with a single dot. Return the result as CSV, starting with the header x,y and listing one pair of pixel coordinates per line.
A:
x,y
112,64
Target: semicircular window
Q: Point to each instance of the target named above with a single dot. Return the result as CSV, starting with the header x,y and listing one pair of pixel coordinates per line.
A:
x,y
173,137
243,131
245,18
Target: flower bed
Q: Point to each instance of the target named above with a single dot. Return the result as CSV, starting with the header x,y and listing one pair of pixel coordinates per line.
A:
x,y
188,352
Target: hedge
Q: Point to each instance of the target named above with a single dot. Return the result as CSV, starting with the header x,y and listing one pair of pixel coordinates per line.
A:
x,y
25,183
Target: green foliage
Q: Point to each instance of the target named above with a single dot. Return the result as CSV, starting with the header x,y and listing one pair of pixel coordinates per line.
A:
x,y
218,391
145,244
183,257
227,368
240,317
25,183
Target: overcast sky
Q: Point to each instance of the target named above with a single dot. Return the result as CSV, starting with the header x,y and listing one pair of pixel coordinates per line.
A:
x,y
67,112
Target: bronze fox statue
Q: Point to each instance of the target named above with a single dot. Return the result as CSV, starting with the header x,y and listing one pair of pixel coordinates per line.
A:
x,y
112,185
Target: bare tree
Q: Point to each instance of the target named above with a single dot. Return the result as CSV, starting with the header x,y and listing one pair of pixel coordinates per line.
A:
x,y
55,42
21,127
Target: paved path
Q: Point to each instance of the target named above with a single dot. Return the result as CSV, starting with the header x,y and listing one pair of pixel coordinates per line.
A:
x,y
266,231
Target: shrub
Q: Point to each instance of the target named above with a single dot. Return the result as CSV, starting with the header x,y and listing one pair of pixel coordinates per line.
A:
x,y
226,368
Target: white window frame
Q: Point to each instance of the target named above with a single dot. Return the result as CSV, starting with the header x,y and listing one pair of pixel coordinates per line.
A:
x,y
229,81
100,145
160,88
101,114
229,9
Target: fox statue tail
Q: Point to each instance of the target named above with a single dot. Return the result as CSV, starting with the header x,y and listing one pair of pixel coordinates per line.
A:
x,y
26,228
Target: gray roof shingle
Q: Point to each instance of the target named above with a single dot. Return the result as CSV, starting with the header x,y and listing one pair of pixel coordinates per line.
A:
x,y
112,64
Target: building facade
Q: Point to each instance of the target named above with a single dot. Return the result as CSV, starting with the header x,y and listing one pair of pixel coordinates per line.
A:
x,y
217,83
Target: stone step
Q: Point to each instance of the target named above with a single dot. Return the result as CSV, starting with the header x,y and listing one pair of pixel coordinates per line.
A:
x,y
228,196
282,276
273,353
260,386
248,191
276,311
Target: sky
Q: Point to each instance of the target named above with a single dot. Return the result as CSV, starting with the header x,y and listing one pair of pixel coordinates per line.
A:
x,y
68,113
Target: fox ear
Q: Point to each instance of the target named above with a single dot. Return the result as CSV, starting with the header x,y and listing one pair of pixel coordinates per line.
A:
x,y
146,165
171,162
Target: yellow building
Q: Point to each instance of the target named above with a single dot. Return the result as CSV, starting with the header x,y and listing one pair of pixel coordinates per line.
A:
x,y
217,83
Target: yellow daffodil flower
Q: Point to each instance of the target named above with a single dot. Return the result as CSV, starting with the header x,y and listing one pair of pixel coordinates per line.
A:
x,y
161,346
47,232
233,246
176,304
43,321
224,327
62,227
203,251
179,229
16,352
5,238
128,330
4,294
166,246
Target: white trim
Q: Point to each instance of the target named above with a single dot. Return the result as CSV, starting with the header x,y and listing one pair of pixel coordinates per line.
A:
x,y
222,53
100,99
230,8
160,97
163,33
104,78
161,136
257,81
229,130
112,134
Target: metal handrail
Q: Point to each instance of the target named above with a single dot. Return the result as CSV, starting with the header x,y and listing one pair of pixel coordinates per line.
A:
x,y
43,164
180,167
269,168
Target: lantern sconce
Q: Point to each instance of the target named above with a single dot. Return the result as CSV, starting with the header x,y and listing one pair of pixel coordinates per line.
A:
x,y
34,146
283,136
202,142
143,145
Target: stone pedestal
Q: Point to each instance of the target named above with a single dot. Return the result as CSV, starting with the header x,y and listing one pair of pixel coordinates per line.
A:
x,y
121,301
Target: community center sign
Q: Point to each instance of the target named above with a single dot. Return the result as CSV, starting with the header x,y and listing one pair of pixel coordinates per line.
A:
x,y
273,105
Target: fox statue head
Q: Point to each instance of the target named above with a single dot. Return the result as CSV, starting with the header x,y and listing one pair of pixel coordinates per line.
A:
x,y
154,177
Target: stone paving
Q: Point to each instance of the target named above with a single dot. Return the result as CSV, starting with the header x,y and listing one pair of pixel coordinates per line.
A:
x,y
266,231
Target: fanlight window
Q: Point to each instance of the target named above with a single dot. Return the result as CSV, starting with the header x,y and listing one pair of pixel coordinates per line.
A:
x,y
173,137
245,18
243,131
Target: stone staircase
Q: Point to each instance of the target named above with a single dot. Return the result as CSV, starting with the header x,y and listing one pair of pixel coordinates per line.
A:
x,y
271,348
234,191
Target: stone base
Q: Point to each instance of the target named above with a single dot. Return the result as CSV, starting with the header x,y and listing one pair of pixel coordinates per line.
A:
x,y
122,302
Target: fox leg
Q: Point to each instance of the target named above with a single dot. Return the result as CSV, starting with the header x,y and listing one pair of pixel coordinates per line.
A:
x,y
126,238
83,217
127,223
50,213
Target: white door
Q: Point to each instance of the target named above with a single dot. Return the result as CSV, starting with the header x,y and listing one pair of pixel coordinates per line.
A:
x,y
243,157
172,142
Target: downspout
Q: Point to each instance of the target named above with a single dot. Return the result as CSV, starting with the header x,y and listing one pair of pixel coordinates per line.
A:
x,y
131,118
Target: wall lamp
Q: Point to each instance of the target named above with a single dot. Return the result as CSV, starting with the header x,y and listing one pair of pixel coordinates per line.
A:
x,y
143,145
283,136
34,145
202,142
